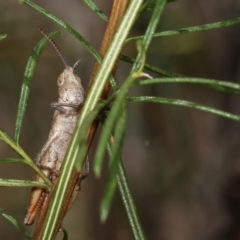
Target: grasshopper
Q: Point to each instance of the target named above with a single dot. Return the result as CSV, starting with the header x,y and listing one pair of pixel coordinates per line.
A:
x,y
50,157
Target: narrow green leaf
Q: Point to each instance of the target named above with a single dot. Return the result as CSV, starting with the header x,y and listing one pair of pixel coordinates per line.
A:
x,y
200,28
21,183
116,111
72,31
147,5
115,157
3,36
65,26
189,80
183,103
108,196
129,203
11,160
153,23
27,160
88,120
95,9
150,4
224,86
27,80
151,68
14,222
112,117
136,72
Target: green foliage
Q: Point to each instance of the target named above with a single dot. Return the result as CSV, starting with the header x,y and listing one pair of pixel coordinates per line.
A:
x,y
112,135
205,27
15,224
27,80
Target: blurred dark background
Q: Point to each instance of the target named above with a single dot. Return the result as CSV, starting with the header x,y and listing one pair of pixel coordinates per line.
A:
x,y
183,165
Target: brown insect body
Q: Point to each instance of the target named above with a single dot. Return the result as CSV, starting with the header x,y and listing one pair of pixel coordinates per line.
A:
x,y
50,157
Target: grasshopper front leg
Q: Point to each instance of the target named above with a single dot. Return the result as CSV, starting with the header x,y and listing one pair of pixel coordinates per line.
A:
x,y
71,108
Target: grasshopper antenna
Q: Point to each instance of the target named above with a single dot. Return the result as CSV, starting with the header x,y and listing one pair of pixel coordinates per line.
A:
x,y
76,64
55,46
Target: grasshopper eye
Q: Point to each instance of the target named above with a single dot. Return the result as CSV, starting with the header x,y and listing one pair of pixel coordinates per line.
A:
x,y
60,80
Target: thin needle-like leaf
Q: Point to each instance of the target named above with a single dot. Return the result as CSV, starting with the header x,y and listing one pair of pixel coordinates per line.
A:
x,y
27,80
65,26
132,216
150,4
14,222
151,68
11,160
112,116
129,203
72,31
189,80
223,86
115,112
136,72
27,160
21,183
184,103
115,157
193,29
83,132
95,9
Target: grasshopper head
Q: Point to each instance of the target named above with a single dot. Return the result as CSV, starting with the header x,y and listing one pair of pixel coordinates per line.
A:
x,y
70,88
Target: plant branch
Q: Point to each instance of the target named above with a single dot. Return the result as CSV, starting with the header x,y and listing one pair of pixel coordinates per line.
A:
x,y
68,176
